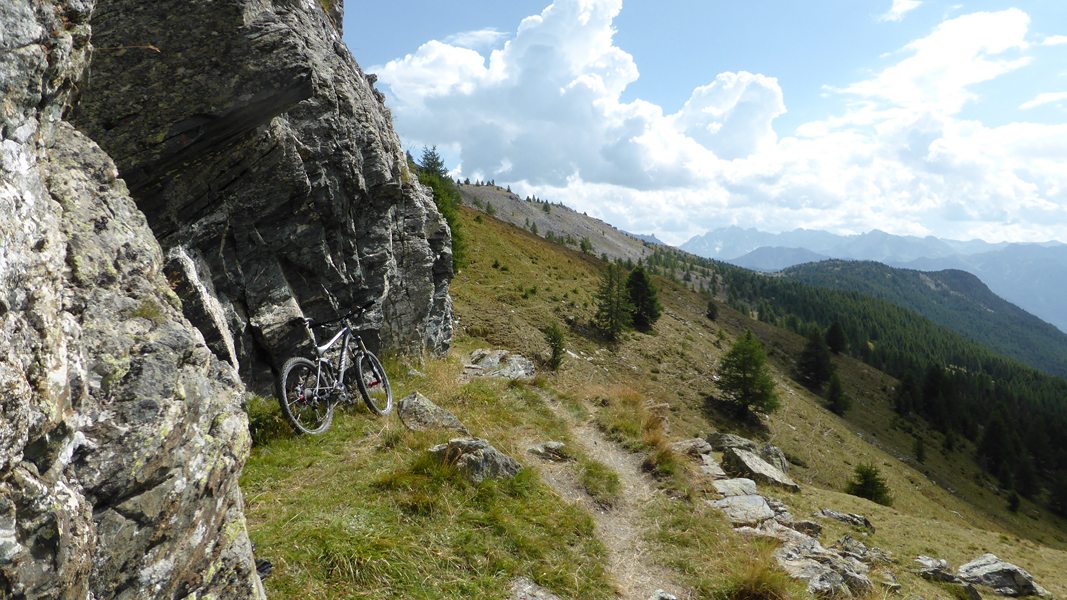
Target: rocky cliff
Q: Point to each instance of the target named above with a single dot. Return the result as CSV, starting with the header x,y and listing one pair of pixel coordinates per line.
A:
x,y
267,166
121,436
247,173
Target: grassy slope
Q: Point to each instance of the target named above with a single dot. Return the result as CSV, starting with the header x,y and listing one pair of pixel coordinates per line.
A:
x,y
360,513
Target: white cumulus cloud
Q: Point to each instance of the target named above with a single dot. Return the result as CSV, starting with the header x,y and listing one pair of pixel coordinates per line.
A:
x,y
1054,40
1043,99
545,113
478,38
899,8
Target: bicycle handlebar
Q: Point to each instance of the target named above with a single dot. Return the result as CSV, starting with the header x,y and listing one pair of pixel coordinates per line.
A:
x,y
308,322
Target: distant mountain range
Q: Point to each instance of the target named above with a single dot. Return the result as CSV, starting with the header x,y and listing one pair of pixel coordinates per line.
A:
x,y
951,298
1032,276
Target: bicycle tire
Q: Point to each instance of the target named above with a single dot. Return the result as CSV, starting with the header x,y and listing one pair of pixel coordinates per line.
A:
x,y
309,417
373,384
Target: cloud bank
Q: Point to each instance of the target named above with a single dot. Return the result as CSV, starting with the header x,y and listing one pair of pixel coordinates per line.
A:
x,y
544,113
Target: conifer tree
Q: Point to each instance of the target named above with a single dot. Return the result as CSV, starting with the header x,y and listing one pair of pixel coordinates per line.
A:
x,y
644,298
868,483
614,311
835,338
837,400
814,366
744,378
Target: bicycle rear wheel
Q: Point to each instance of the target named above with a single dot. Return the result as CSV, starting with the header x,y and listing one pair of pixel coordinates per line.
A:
x,y
304,391
373,384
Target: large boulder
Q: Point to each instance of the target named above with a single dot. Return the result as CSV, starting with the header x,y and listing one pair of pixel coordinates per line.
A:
x,y
418,413
122,436
1004,578
251,139
476,459
745,463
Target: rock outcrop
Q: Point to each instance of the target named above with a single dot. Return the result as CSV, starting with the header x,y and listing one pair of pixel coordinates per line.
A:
x,y
254,144
122,435
498,363
418,413
476,459
744,463
1004,578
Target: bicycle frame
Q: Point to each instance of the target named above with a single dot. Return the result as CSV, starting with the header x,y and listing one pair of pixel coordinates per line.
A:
x,y
345,335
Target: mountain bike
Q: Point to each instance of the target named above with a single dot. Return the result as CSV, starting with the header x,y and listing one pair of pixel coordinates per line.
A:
x,y
309,389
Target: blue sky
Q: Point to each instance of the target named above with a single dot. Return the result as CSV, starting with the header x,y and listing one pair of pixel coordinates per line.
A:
x,y
675,117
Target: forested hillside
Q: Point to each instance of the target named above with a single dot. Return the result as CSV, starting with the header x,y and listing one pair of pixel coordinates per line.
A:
x,y
952,298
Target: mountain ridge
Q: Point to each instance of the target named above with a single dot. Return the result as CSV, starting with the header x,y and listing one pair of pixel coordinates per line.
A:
x,y
1031,275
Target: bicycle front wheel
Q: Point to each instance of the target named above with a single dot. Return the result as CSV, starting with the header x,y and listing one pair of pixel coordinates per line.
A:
x,y
373,384
305,395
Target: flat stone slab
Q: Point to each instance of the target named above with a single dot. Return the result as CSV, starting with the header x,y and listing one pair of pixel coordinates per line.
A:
x,y
744,463
736,487
497,363
744,510
476,459
418,413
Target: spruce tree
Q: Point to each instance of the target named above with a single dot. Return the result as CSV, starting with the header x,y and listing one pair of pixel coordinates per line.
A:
x,y
814,366
837,400
644,298
868,483
835,338
744,378
614,311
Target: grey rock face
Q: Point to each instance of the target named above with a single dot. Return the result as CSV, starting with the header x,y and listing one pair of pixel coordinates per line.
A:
x,y
744,510
251,139
722,441
711,467
857,521
826,572
935,569
553,451
744,463
418,413
477,459
122,435
735,487
774,456
1004,578
498,363
850,546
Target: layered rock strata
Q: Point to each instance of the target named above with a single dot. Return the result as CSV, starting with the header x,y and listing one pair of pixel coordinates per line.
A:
x,y
264,158
121,435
